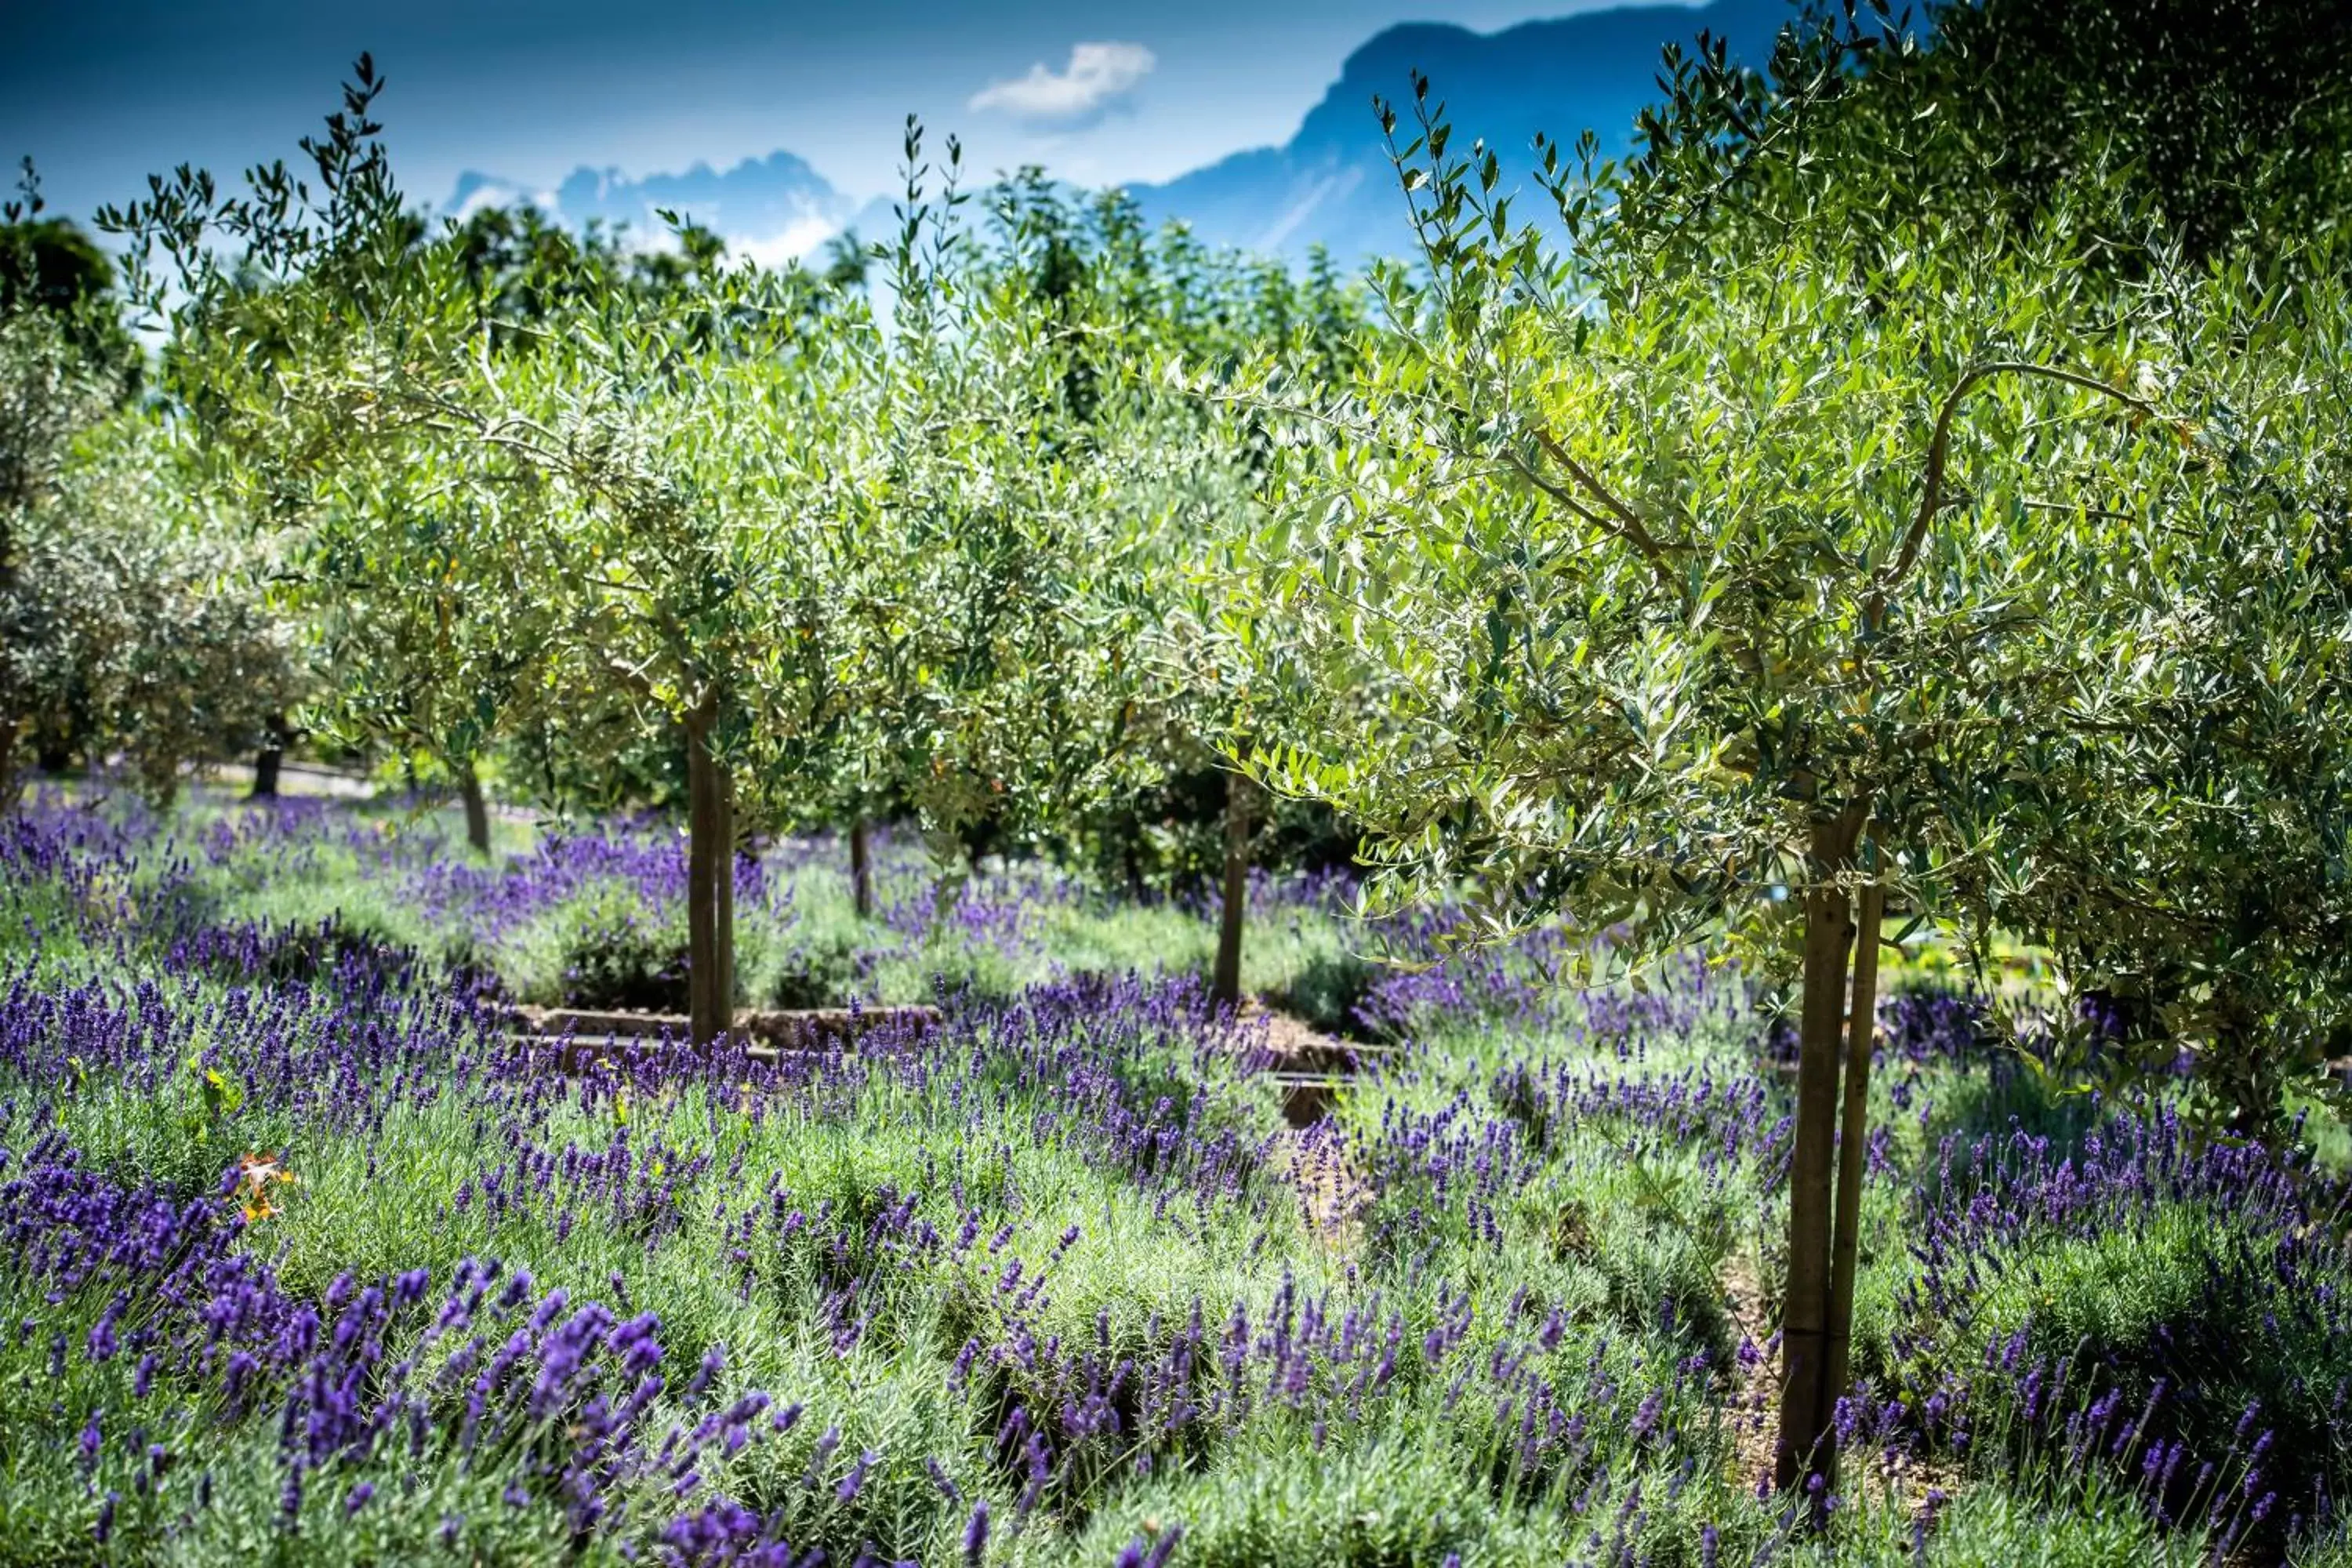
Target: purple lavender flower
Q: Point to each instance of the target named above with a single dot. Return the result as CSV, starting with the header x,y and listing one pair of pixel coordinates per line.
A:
x,y
975,1535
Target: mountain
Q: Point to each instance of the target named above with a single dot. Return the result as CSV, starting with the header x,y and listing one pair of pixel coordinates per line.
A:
x,y
774,208
1332,183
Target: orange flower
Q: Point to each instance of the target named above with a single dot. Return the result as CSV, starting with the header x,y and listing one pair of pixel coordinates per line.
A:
x,y
256,1174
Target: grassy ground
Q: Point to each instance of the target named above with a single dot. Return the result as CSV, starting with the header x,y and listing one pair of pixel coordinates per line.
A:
x,y
1055,1284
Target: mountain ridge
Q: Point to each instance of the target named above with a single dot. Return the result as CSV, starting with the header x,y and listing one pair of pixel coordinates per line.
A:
x,y
774,207
1330,183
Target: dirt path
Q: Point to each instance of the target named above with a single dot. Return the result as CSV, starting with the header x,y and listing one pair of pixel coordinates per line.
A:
x,y
1754,1375
1919,1488
1312,1153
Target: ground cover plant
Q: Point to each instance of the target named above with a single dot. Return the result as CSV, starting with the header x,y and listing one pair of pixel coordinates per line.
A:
x,y
311,1258
585,915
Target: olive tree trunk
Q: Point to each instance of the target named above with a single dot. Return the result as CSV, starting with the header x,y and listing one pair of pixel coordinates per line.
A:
x,y
267,765
1802,1446
861,867
723,951
1131,863
477,809
1226,982
710,890
1853,1158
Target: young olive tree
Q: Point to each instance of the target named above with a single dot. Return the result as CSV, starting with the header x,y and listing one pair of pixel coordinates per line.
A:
x,y
993,700
1204,457
48,395
2178,843
133,624
2175,847
641,483
1046,664
1700,565
434,660
1113,302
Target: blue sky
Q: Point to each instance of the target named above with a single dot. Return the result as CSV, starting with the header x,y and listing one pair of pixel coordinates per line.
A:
x,y
102,94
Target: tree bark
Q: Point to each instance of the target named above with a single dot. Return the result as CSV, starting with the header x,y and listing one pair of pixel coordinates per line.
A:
x,y
1800,1451
722,926
1132,864
266,764
861,868
1853,1149
478,810
2247,1081
1226,982
701,886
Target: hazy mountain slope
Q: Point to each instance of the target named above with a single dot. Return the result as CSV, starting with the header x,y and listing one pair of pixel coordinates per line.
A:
x,y
774,207
1331,182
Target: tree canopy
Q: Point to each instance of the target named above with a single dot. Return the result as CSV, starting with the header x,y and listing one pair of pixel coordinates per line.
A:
x,y
1783,547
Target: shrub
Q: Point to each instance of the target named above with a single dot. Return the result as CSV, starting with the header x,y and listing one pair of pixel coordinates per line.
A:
x,y
609,951
2177,1315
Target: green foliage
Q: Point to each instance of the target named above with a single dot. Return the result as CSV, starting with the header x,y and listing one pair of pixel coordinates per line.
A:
x,y
2050,1525
131,619
2193,1320
1770,500
612,954
1327,990
1919,465
998,645
49,265
2234,129
1376,1507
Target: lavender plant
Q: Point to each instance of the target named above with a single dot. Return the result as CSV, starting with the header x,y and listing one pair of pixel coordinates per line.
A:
x,y
310,1256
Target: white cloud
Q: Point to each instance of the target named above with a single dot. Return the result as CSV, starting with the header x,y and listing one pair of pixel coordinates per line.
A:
x,y
1098,78
475,193
794,243
1333,187
473,198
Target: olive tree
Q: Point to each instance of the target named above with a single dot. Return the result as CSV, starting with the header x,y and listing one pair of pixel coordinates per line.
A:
x,y
132,624
437,660
993,698
48,395
2198,932
1198,460
1706,563
1039,654
639,483
1211,453
811,548
1134,327
2178,844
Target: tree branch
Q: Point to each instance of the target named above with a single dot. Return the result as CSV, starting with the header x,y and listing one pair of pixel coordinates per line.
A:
x,y
1939,446
1637,533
